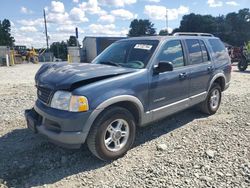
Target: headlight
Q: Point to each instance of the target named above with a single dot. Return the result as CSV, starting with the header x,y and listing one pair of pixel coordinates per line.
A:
x,y
64,100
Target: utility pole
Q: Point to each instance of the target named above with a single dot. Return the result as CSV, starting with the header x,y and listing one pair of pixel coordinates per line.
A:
x,y
46,32
167,19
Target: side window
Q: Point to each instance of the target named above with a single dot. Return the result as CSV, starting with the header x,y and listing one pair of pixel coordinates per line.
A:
x,y
172,51
219,50
204,51
194,50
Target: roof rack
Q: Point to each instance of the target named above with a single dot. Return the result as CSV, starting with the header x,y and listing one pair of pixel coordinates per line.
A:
x,y
193,34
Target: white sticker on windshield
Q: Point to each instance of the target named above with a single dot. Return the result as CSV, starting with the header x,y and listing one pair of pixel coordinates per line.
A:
x,y
143,46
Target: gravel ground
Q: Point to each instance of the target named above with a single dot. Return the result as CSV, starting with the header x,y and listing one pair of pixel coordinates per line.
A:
x,y
185,150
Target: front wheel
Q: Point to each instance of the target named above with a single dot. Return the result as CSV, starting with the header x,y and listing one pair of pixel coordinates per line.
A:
x,y
213,100
242,65
112,134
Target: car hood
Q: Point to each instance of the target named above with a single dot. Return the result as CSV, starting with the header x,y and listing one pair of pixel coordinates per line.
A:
x,y
69,76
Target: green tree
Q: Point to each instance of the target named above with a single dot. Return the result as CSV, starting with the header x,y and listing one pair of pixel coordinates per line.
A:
x,y
72,41
5,37
198,23
232,28
163,32
141,27
59,49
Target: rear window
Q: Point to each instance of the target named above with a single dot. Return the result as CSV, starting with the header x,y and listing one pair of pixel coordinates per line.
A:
x,y
219,50
194,50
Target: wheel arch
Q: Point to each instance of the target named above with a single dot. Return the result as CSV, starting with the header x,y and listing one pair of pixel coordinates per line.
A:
x,y
131,103
220,79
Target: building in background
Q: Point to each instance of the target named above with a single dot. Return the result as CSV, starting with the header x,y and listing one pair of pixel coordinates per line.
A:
x,y
93,46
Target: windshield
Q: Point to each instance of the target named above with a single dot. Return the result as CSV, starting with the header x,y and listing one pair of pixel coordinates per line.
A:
x,y
132,54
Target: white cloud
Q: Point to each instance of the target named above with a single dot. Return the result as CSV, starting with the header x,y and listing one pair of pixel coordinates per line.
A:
x,y
31,22
69,29
232,3
107,18
78,15
58,18
92,7
57,15
75,1
25,10
107,30
123,14
57,7
102,29
214,3
28,29
153,1
117,3
159,12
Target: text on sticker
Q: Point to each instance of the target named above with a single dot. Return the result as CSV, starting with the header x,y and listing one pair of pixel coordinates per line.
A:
x,y
143,46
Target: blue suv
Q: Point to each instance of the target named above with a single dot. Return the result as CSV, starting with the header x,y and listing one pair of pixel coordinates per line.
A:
x,y
133,82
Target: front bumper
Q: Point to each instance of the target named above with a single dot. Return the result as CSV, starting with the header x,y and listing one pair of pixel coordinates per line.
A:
x,y
61,127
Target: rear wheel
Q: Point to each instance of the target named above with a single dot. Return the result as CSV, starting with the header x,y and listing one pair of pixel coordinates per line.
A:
x,y
242,65
213,100
112,134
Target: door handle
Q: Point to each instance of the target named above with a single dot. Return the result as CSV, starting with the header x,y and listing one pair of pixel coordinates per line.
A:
x,y
210,68
183,75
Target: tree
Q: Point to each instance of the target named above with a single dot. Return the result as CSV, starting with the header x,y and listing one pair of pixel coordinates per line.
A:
x,y
232,28
198,23
163,32
141,27
5,37
59,49
72,41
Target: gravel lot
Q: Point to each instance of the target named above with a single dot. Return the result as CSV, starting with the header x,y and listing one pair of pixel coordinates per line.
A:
x,y
185,150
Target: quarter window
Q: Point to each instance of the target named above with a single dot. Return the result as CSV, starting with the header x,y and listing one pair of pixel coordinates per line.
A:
x,y
172,52
219,51
194,50
204,51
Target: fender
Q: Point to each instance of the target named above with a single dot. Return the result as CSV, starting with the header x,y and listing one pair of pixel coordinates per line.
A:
x,y
109,102
214,78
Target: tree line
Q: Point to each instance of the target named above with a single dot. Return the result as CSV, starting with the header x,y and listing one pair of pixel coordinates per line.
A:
x,y
233,28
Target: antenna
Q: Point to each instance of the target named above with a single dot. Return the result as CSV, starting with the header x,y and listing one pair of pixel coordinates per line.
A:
x,y
46,32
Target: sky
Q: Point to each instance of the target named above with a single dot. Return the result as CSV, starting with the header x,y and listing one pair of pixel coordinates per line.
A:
x,y
100,17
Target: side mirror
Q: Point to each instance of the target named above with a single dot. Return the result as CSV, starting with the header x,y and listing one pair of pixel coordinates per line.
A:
x,y
163,67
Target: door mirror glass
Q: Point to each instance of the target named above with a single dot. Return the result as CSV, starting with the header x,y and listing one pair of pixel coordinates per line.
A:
x,y
163,67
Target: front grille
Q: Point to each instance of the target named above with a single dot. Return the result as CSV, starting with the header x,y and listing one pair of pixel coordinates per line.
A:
x,y
44,94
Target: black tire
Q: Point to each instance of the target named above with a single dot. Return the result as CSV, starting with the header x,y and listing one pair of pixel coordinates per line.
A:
x,y
242,65
206,106
98,133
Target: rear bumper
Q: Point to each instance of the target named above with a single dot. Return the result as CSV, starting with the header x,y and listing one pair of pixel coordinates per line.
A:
x,y
61,127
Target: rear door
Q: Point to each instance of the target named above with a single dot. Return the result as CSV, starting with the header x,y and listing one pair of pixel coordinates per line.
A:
x,y
201,68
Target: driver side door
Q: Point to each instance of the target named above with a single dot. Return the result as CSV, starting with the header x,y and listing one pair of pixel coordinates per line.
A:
x,y
169,91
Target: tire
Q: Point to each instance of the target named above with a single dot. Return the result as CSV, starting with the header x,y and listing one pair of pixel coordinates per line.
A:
x,y
213,100
106,128
242,65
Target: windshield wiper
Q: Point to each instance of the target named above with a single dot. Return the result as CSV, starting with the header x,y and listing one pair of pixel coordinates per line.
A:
x,y
110,63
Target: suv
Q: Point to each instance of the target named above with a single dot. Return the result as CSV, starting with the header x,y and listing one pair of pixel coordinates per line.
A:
x,y
132,83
